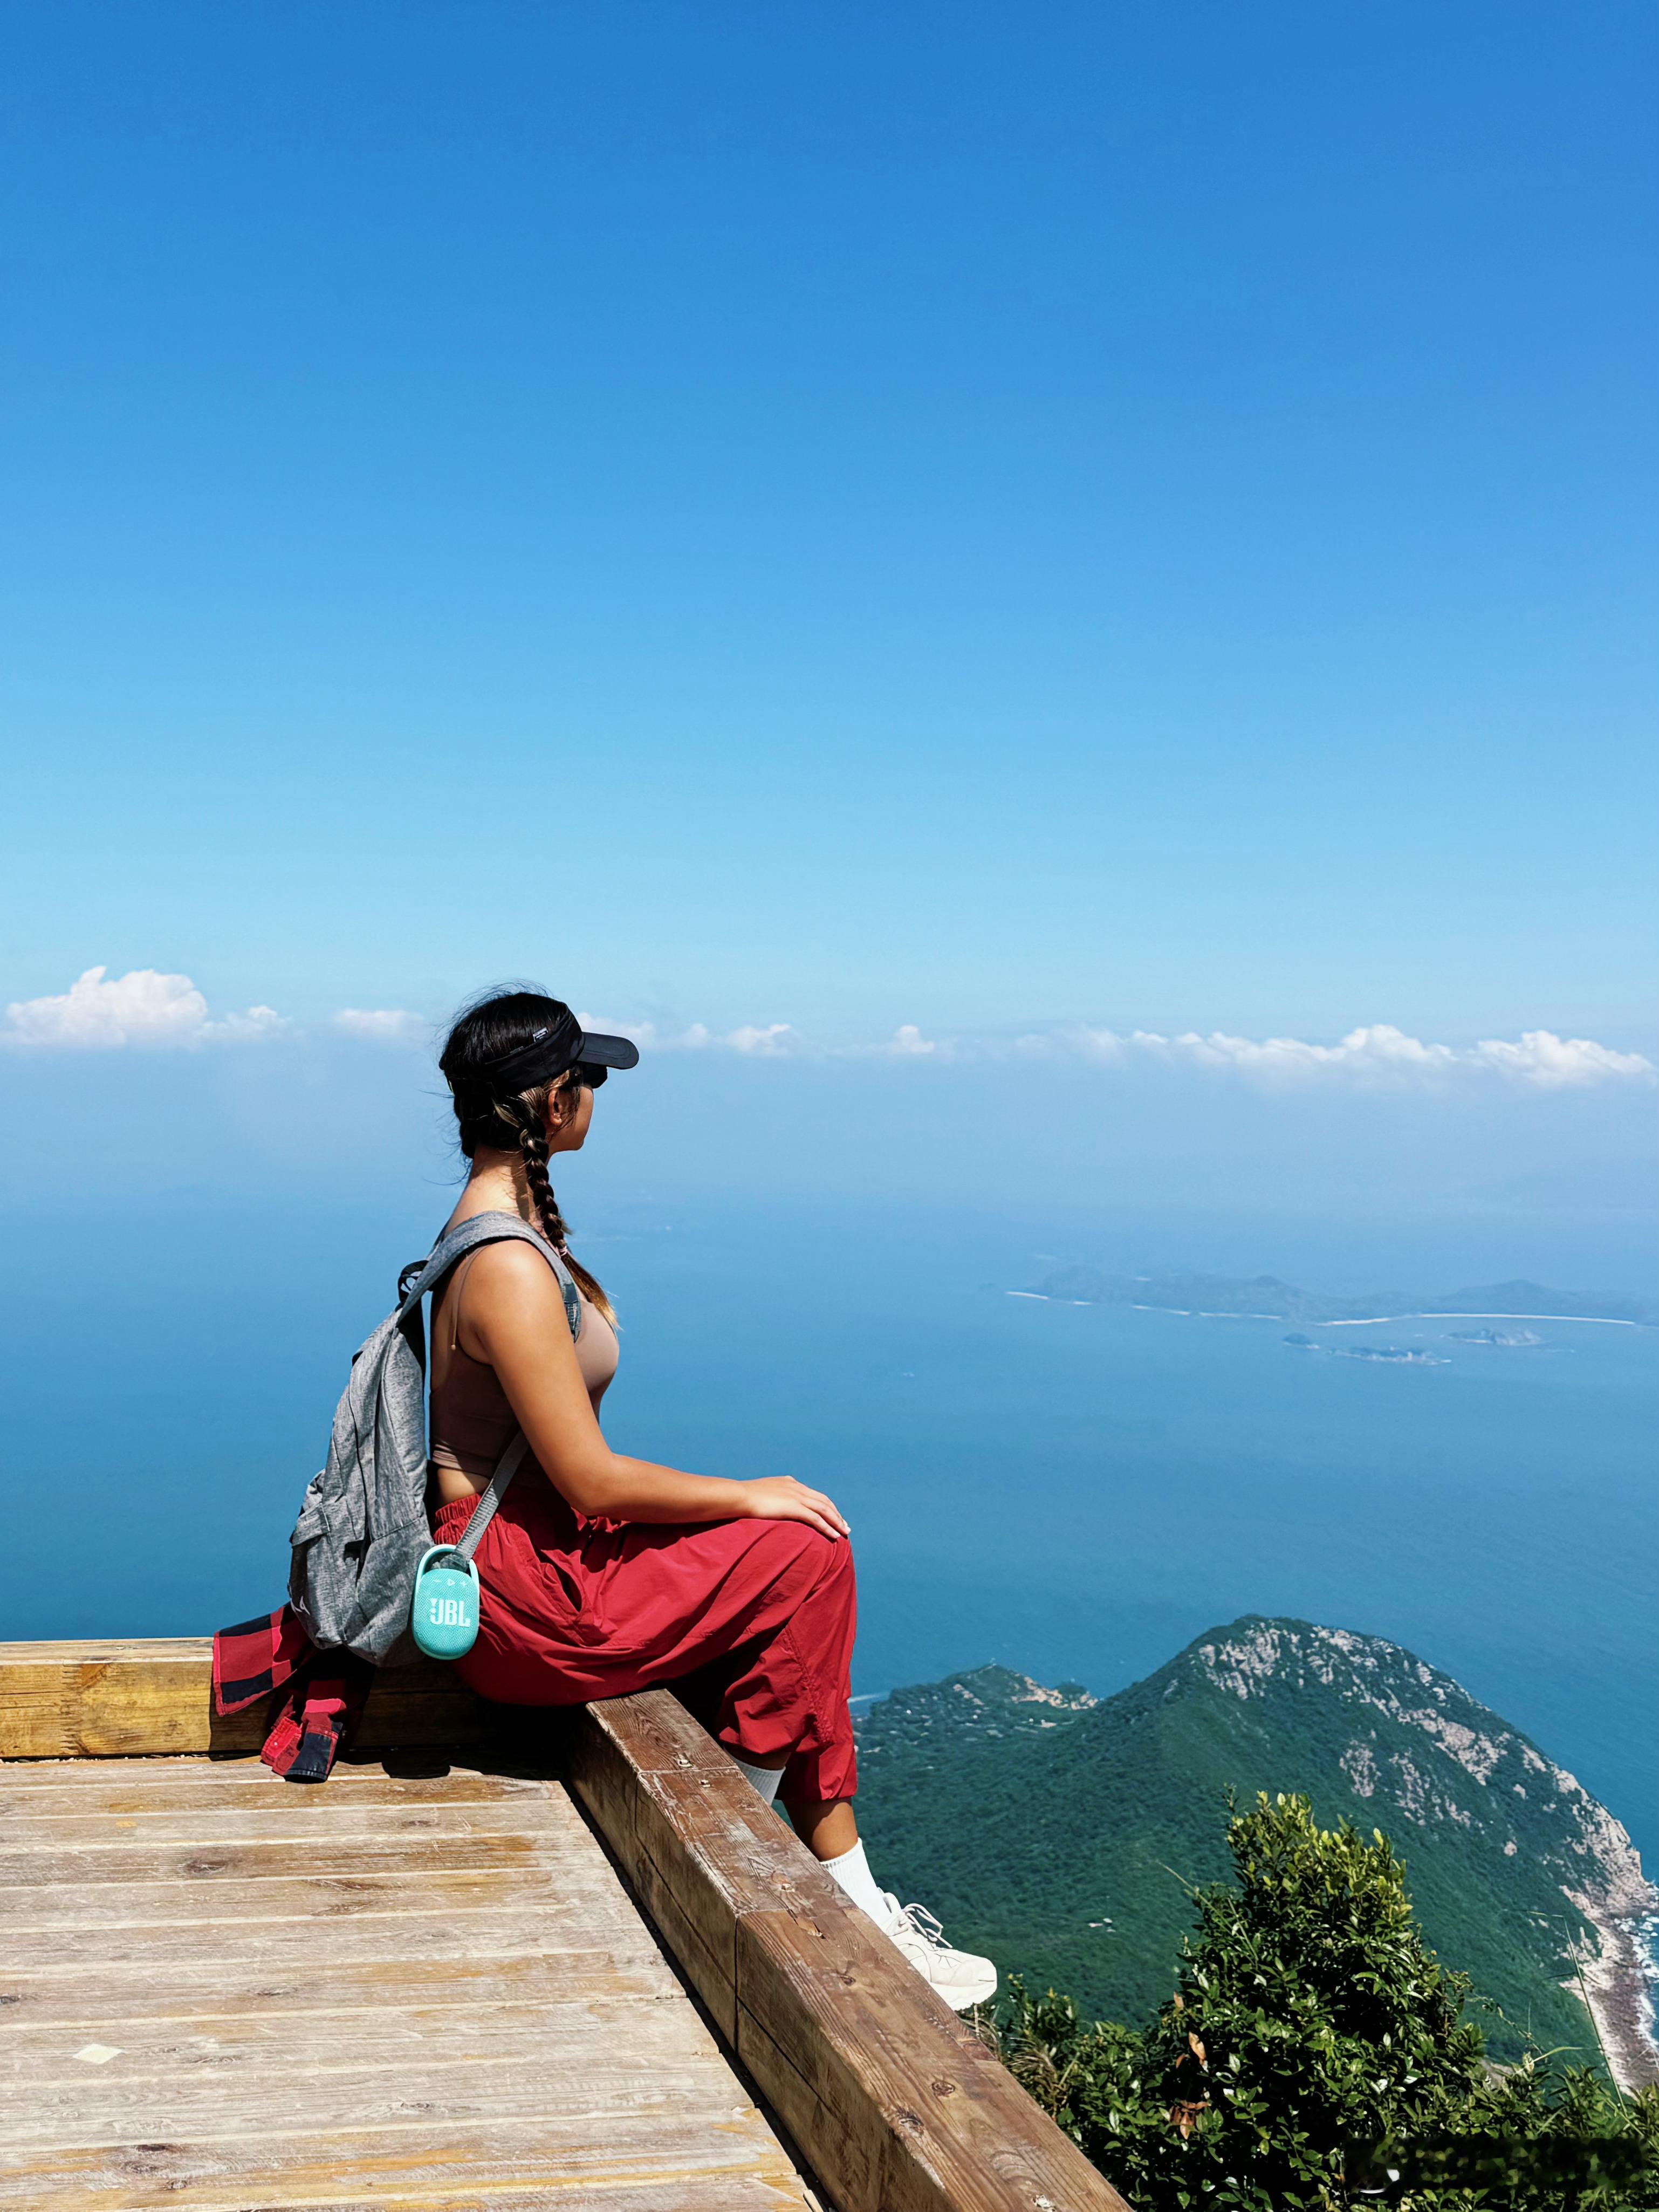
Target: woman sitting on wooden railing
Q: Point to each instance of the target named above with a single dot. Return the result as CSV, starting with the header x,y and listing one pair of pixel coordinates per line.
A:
x,y
602,1574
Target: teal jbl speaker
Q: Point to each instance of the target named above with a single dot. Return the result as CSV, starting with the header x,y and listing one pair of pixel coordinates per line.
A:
x,y
444,1615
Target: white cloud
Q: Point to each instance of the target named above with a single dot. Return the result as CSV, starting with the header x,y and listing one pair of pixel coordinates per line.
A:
x,y
99,1013
380,1024
1377,1055
1554,1063
908,1042
649,1035
1380,1053
772,1043
244,1028
770,1040
145,1008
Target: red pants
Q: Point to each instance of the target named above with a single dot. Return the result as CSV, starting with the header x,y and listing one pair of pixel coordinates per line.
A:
x,y
752,1621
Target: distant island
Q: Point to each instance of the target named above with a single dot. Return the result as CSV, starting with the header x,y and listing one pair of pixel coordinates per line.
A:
x,y
1059,1833
1412,1357
1265,1297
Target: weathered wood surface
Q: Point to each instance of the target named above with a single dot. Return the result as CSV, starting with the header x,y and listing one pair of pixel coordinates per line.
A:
x,y
471,1884
102,1701
220,1990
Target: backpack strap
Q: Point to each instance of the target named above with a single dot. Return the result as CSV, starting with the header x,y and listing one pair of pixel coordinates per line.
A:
x,y
484,1512
421,1276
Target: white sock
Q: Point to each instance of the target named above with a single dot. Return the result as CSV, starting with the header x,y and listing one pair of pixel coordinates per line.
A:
x,y
763,1778
852,1871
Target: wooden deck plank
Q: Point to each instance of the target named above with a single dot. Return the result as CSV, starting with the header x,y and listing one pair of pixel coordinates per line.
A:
x,y
191,1770
437,1937
620,2088
488,1910
419,1990
233,2039
637,2161
198,1850
309,1879
47,1785
129,1786
44,1865
322,2191
285,1812
456,2176
89,1995
296,1813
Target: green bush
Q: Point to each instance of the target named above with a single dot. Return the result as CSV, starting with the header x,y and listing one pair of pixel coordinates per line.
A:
x,y
1316,2056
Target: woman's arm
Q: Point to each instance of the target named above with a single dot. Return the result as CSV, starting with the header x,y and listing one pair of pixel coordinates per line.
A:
x,y
514,1319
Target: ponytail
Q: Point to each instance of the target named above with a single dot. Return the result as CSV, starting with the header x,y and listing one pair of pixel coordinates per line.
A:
x,y
533,1156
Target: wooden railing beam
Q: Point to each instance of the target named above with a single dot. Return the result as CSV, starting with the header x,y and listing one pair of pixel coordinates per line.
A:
x,y
896,2102
144,1698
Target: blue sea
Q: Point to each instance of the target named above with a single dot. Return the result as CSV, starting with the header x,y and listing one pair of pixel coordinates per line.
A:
x,y
1075,1491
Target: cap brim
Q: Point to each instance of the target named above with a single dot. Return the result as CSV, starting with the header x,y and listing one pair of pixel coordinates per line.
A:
x,y
608,1051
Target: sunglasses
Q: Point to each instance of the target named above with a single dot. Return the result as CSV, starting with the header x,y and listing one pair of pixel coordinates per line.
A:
x,y
590,1074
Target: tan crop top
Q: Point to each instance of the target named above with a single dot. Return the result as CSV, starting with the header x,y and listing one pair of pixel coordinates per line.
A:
x,y
472,1420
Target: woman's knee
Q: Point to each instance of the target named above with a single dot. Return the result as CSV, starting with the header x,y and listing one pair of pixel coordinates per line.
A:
x,y
838,1563
819,1559
829,1564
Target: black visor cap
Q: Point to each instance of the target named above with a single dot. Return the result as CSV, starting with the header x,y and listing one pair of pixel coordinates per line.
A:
x,y
563,1045
607,1051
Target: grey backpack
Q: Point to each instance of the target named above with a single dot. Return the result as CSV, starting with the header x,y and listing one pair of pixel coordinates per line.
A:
x,y
362,1525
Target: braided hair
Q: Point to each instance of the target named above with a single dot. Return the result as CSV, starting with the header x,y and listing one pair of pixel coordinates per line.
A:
x,y
485,1032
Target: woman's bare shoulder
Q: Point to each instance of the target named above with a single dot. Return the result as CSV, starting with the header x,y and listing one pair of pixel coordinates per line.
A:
x,y
512,1298
514,1265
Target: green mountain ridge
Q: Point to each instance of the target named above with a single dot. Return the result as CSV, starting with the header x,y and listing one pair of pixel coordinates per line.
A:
x,y
1061,1834
1266,1298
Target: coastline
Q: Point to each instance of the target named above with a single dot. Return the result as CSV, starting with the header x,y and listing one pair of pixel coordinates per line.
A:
x,y
1371,1321
1360,1320
1618,1987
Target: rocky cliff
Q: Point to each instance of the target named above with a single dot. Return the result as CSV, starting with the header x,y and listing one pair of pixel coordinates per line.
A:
x,y
1061,1833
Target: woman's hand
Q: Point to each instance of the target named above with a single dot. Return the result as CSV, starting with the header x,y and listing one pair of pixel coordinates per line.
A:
x,y
780,1497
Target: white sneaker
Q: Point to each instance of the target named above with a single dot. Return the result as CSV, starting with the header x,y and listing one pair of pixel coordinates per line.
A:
x,y
961,1978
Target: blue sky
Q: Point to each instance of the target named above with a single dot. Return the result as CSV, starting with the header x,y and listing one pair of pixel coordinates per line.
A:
x,y
1020,523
